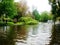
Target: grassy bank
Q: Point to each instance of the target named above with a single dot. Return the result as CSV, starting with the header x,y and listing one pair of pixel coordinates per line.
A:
x,y
22,21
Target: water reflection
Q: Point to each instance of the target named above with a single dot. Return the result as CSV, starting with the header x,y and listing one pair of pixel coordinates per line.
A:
x,y
38,34
55,35
7,35
21,32
31,34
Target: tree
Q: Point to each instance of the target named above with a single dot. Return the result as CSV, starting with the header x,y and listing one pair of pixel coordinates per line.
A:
x,y
7,8
29,14
21,8
44,16
36,14
55,4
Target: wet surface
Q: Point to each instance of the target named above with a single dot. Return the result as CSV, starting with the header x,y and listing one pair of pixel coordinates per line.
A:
x,y
55,35
35,34
31,34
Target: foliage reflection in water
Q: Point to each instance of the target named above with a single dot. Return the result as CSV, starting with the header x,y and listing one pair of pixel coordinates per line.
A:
x,y
7,36
37,34
27,35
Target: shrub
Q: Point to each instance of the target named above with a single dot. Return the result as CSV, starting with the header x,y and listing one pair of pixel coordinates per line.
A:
x,y
28,20
10,23
19,23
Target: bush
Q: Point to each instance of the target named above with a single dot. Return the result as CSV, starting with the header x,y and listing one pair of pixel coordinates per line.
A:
x,y
4,23
28,20
10,23
19,23
8,19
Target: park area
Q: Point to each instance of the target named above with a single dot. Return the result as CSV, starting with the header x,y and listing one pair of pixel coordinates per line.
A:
x,y
29,22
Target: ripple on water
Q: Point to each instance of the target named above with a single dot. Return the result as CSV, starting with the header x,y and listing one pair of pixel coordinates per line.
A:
x,y
41,37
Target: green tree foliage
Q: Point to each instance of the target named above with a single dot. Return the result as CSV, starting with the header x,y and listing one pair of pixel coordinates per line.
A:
x,y
55,4
21,9
7,8
44,17
36,14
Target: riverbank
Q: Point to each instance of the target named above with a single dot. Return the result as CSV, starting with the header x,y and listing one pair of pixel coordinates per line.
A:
x,y
22,21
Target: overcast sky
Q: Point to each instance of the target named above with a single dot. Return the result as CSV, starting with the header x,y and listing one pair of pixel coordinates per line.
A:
x,y
41,5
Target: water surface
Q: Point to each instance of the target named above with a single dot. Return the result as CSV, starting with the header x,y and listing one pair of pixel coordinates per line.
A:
x,y
31,34
35,34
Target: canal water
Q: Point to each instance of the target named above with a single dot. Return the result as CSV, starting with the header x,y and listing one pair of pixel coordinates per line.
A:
x,y
36,35
39,34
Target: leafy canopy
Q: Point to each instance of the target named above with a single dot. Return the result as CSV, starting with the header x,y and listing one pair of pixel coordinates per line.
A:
x,y
7,7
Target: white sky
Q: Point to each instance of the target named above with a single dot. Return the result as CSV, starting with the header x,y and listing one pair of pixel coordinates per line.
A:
x,y
41,5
